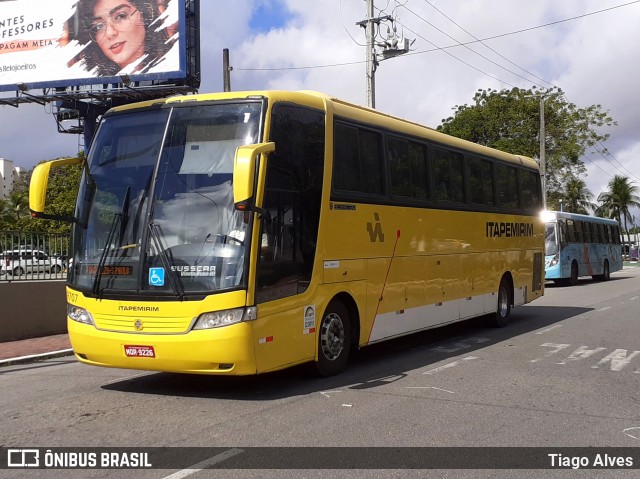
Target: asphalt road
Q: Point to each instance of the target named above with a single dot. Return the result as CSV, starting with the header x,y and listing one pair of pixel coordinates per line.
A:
x,y
564,373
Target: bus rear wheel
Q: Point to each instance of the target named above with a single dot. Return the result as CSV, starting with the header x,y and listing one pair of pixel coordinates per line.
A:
x,y
503,310
606,273
573,280
334,339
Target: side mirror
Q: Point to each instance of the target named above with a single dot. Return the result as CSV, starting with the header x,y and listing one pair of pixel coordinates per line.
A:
x,y
38,187
244,173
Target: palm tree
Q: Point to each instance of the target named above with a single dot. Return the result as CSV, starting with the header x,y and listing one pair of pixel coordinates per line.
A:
x,y
577,197
621,197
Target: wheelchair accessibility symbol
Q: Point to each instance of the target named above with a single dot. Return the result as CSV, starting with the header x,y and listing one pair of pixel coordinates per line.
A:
x,y
156,276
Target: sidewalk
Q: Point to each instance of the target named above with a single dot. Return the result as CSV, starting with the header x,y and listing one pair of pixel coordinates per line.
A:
x,y
34,349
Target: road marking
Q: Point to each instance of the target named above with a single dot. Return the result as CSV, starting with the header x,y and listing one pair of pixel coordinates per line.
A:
x,y
450,365
554,346
430,387
581,353
634,298
618,359
326,393
634,430
549,329
204,464
604,309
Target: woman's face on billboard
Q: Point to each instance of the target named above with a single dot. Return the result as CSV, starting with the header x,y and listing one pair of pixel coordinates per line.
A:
x,y
119,30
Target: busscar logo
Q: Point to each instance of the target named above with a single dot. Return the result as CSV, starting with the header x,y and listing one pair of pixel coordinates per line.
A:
x,y
23,458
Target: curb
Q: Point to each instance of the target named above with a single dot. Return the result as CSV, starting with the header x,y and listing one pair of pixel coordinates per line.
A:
x,y
36,357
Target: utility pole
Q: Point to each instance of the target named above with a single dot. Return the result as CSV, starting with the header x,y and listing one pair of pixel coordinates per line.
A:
x,y
392,47
543,166
372,63
226,70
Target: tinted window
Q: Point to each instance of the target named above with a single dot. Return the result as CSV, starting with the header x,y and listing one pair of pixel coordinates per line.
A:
x,y
448,175
289,227
481,181
408,168
531,190
357,160
507,186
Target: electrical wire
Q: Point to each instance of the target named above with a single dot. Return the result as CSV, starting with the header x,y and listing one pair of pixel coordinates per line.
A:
x,y
470,49
459,59
345,28
485,45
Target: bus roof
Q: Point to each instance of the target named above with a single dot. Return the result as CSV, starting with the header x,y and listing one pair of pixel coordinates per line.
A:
x,y
548,216
345,109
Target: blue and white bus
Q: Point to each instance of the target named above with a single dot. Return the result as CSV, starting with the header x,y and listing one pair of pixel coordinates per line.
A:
x,y
580,245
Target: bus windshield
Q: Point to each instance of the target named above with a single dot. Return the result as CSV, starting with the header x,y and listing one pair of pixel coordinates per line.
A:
x,y
550,242
155,207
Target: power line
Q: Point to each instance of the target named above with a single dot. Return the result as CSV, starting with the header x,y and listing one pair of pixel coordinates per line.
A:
x,y
607,152
485,45
470,49
347,31
459,59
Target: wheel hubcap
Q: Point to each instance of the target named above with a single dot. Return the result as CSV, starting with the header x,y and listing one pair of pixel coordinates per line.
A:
x,y
332,336
503,303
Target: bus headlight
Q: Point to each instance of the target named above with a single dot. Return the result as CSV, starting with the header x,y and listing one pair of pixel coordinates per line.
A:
x,y
80,315
218,319
554,261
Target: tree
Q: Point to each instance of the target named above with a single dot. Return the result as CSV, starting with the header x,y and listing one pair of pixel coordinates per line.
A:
x,y
509,120
617,202
14,210
576,197
61,197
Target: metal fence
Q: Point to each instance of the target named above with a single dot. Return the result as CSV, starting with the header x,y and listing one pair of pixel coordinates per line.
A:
x,y
29,256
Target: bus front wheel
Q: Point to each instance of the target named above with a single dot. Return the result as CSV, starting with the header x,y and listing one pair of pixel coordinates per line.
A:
x,y
334,339
503,310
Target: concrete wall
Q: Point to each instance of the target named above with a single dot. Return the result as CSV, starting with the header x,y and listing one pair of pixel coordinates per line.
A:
x,y
29,309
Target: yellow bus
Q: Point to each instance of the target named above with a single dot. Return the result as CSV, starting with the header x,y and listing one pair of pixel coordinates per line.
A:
x,y
239,233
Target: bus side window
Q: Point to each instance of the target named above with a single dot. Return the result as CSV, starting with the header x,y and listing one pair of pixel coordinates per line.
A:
x,y
571,231
562,232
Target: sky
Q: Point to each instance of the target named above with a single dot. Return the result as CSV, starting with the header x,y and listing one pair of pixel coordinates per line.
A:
x,y
589,49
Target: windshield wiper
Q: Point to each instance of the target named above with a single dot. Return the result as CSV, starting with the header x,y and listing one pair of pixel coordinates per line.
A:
x,y
174,280
121,219
105,252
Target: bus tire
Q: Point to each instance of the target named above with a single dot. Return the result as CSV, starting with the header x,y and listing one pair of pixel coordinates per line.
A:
x,y
606,272
573,279
503,310
334,339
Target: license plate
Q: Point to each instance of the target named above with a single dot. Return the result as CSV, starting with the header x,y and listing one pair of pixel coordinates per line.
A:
x,y
140,351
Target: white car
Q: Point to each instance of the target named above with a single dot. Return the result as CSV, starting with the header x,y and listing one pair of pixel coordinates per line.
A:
x,y
20,261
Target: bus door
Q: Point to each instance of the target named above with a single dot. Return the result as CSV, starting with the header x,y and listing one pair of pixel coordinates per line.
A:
x,y
285,330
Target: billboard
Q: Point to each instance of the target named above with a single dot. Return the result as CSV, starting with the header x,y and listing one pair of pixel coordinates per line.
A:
x,y
56,43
